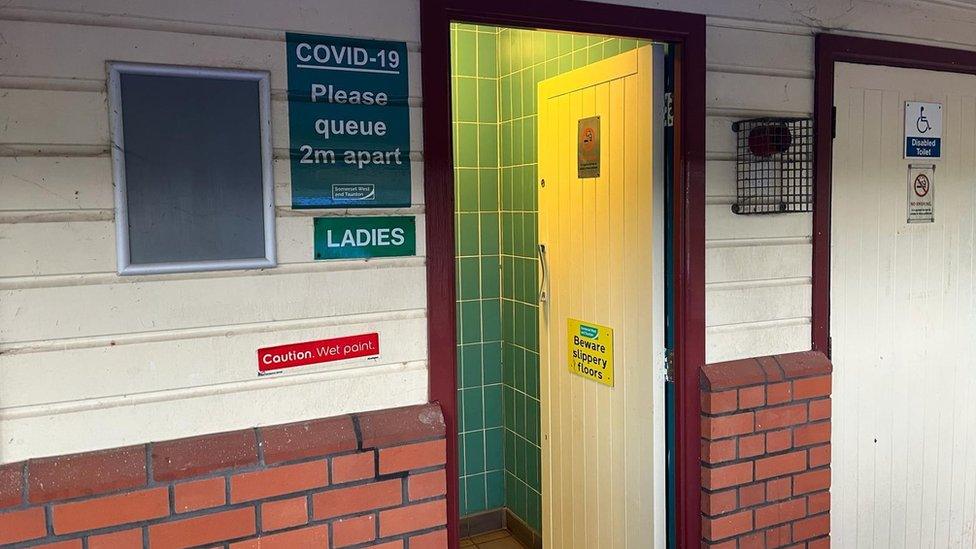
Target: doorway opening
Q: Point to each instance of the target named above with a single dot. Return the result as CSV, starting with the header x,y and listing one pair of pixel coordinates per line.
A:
x,y
548,242
685,33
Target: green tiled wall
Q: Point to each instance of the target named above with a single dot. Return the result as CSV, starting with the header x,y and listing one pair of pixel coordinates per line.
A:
x,y
494,75
479,352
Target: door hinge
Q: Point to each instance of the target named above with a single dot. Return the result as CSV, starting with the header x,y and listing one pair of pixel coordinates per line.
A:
x,y
669,366
668,110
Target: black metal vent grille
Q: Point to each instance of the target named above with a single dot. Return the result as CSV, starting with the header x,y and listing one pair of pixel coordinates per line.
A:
x,y
774,165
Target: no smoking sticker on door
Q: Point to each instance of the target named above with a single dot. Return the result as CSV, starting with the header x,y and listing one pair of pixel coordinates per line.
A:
x,y
921,194
590,351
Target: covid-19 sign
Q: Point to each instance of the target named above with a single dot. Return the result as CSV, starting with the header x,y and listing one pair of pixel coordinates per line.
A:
x,y
349,122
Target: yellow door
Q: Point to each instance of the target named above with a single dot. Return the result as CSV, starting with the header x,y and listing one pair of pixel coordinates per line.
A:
x,y
601,314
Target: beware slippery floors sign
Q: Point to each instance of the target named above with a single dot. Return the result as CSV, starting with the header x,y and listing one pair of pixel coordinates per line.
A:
x,y
590,351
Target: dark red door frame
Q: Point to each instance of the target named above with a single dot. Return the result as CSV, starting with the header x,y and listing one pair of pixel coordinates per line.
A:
x,y
687,33
831,49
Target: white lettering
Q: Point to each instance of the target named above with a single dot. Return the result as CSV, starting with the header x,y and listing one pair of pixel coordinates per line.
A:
x,y
318,90
397,236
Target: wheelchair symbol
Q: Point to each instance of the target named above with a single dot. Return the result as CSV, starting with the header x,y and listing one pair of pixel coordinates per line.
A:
x,y
922,124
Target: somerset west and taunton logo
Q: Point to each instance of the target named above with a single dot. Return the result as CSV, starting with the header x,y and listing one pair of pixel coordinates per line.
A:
x,y
589,332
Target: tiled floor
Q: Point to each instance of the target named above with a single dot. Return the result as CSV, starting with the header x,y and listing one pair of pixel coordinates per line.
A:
x,y
493,540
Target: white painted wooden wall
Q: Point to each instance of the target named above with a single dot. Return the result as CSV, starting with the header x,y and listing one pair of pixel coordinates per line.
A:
x,y
88,360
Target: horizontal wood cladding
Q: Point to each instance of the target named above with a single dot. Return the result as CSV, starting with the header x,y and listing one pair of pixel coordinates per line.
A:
x,y
375,478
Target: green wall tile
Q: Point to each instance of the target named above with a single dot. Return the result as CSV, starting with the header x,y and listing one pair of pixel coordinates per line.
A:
x,y
466,189
491,359
469,269
468,234
495,446
487,55
465,46
519,369
505,98
462,469
473,411
466,110
504,52
467,146
470,321
552,45
489,233
580,41
491,282
495,484
532,425
534,511
493,406
487,145
519,425
508,374
532,374
491,319
510,443
565,63
505,143
516,94
475,496
529,142
471,368
594,53
487,101
521,457
488,190
516,53
474,451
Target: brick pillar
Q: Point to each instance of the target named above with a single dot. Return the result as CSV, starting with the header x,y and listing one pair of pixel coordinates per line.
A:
x,y
766,452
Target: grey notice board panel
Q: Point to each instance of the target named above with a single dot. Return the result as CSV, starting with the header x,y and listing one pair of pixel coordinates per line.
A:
x,y
193,166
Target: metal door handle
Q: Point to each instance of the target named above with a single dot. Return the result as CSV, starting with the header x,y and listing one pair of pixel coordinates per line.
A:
x,y
544,283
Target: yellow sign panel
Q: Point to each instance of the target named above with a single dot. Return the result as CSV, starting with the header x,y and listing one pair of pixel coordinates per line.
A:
x,y
591,351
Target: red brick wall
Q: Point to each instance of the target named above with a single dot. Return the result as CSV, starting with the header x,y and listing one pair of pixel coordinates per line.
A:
x,y
766,452
367,480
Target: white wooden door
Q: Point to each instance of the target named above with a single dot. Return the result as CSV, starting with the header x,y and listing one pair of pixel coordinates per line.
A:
x,y
903,318
602,446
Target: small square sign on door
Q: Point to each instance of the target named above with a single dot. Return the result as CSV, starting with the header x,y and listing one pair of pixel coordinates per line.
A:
x,y
923,130
588,148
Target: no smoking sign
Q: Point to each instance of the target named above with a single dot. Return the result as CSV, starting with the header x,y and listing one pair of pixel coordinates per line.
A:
x,y
921,185
921,194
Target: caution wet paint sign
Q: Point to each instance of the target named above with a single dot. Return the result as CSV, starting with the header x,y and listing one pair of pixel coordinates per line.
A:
x,y
590,351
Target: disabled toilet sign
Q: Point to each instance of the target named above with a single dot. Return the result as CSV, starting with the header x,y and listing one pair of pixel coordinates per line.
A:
x,y
923,130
